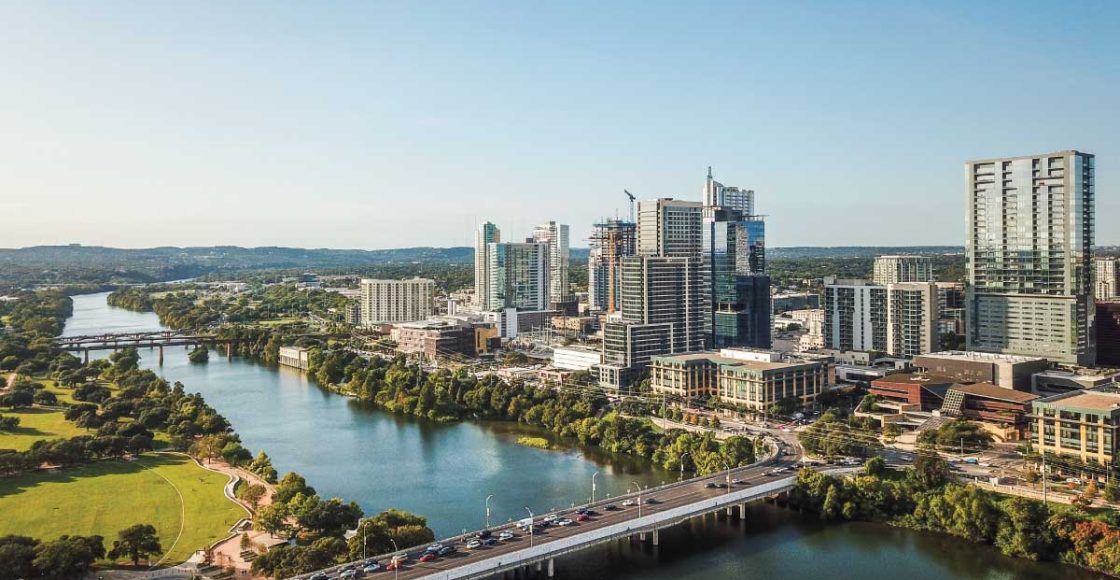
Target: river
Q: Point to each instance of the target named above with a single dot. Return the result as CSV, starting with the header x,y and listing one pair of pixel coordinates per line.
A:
x,y
348,449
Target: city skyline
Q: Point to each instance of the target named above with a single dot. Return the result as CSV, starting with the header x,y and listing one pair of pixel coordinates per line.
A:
x,y
306,127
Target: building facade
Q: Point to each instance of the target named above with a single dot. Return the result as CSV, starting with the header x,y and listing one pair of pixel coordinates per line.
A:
x,y
1029,246
735,251
1108,333
555,236
519,276
1079,424
486,234
744,381
1106,278
396,300
611,241
293,356
670,227
912,319
855,315
895,269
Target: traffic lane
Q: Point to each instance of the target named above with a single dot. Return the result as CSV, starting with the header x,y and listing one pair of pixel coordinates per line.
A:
x,y
681,495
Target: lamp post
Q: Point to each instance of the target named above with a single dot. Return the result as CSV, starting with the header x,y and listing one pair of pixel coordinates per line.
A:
x,y
593,476
728,468
683,455
531,525
397,563
488,510
639,488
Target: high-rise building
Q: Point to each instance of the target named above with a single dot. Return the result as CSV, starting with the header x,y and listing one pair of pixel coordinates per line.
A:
x,y
735,252
912,316
486,234
670,227
556,237
664,310
894,269
1030,238
1106,278
855,315
1108,333
396,300
519,276
718,195
611,240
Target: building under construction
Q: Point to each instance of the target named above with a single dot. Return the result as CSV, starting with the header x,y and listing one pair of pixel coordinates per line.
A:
x,y
611,240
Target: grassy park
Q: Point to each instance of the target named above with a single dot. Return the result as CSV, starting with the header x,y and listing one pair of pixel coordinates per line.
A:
x,y
184,502
35,424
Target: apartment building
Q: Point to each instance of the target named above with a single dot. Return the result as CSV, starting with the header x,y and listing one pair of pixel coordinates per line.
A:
x,y
396,300
486,234
1106,278
670,227
519,276
1029,246
896,269
855,315
912,319
555,236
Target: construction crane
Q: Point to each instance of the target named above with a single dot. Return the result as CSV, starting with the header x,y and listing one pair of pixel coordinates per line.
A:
x,y
632,198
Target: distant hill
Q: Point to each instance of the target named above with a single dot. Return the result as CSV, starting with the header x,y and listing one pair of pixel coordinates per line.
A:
x,y
858,251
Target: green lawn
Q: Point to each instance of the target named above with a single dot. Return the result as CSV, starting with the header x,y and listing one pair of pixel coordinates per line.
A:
x,y
108,496
36,424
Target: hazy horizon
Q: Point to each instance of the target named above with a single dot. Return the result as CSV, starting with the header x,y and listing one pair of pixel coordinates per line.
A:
x,y
380,125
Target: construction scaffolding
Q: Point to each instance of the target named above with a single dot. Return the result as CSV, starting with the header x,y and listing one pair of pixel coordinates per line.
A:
x,y
610,241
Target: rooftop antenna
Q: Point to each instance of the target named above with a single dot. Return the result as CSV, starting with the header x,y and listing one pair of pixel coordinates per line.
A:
x,y
632,198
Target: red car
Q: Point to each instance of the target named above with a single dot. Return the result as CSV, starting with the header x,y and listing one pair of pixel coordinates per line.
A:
x,y
582,518
428,557
394,565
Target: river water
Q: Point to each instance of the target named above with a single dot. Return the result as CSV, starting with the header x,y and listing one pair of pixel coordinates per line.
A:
x,y
348,449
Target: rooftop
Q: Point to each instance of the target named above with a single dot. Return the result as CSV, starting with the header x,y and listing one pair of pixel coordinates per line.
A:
x,y
981,356
915,377
995,392
1092,400
723,361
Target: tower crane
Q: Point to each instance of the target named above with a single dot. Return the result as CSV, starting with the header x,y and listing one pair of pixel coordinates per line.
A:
x,y
632,198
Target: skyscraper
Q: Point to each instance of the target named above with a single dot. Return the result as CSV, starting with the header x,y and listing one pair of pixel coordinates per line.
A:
x,y
894,269
519,276
1106,278
486,234
611,240
1029,247
734,242
396,300
898,319
556,237
670,227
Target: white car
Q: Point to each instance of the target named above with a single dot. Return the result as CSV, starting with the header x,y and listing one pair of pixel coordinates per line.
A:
x,y
629,503
371,568
564,522
474,544
506,535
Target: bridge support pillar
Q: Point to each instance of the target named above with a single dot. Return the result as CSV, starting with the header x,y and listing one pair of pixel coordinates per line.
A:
x,y
229,351
87,356
742,511
641,536
540,566
656,537
161,355
551,568
729,510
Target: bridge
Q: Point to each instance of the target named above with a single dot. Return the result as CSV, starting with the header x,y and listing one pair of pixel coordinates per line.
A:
x,y
157,339
652,511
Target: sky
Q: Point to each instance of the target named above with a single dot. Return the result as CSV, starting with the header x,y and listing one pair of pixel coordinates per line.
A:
x,y
394,124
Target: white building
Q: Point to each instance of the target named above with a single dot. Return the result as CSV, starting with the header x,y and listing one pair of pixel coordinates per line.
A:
x,y
556,237
396,300
895,269
575,358
293,356
1106,278
486,234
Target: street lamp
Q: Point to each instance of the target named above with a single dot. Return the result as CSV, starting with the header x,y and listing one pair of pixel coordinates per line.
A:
x,y
593,476
639,488
488,510
728,468
683,455
531,524
397,567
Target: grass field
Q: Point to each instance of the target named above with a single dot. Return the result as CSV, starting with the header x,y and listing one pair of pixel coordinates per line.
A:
x,y
108,496
36,424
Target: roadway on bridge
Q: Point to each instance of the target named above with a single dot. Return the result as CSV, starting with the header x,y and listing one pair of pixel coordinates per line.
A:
x,y
686,493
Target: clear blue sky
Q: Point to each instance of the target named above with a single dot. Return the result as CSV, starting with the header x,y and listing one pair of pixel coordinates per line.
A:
x,y
376,124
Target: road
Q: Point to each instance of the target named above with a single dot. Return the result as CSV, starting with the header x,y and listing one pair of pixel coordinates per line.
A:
x,y
666,497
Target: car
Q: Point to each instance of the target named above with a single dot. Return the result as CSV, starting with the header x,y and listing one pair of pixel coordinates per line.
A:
x,y
581,511
721,485
474,544
485,534
592,513
770,473
564,522
611,507
629,503
489,541
506,535
710,485
447,550
433,548
428,557
651,500
736,482
371,568
348,574
318,576
582,518
395,565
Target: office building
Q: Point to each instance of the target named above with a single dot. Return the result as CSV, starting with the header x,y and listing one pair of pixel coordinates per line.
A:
x,y
1106,278
555,236
611,241
452,337
486,234
1029,246
670,227
1005,413
1004,371
717,195
895,269
1078,424
519,276
396,300
752,380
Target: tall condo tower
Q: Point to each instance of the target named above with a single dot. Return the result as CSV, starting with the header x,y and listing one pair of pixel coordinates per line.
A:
x,y
1029,247
555,236
486,234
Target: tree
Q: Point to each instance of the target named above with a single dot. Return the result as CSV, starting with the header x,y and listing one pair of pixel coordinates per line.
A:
x,y
254,493
17,557
891,432
273,519
875,466
1025,534
1111,492
136,542
930,471
44,398
291,485
69,556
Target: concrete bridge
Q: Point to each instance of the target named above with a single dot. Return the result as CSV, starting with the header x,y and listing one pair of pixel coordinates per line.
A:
x,y
653,510
157,339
